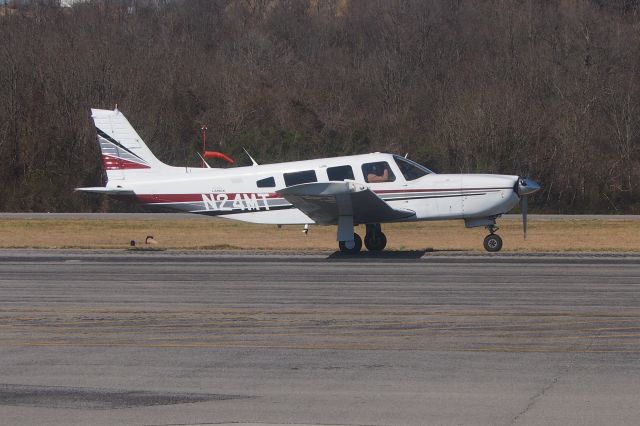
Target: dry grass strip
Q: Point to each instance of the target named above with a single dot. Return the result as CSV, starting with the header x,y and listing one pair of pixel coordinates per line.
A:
x,y
564,235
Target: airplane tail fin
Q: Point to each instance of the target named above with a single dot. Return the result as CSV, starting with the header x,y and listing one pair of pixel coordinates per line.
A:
x,y
122,148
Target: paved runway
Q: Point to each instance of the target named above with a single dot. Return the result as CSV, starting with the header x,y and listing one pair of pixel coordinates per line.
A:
x,y
161,338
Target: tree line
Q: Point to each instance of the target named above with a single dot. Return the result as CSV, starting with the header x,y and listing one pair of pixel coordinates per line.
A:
x,y
548,90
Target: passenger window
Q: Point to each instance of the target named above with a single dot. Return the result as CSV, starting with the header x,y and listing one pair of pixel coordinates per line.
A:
x,y
269,182
340,173
377,172
296,178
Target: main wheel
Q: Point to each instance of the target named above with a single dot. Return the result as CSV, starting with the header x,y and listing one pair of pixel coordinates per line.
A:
x,y
351,248
375,241
492,243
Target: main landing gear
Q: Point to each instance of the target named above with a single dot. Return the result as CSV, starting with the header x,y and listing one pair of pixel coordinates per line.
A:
x,y
492,242
374,240
351,247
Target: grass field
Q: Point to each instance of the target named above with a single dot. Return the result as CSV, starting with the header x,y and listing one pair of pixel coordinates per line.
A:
x,y
561,235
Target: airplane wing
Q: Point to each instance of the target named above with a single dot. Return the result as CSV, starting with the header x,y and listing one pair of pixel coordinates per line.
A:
x,y
325,202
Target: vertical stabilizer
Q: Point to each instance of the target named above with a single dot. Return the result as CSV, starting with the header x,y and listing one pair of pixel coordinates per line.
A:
x,y
121,146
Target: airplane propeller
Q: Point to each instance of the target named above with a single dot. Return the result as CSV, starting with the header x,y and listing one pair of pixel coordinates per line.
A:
x,y
524,188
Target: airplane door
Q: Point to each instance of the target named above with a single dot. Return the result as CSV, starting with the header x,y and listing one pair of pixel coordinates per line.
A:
x,y
450,203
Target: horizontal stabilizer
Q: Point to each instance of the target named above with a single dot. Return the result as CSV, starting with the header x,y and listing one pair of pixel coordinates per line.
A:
x,y
107,191
325,202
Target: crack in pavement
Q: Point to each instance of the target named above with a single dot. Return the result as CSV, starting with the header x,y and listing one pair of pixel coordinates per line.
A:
x,y
563,371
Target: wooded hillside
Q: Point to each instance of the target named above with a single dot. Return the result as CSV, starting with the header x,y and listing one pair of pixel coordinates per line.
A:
x,y
549,90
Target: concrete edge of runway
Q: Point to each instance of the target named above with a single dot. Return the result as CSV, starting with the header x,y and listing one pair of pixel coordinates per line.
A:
x,y
239,256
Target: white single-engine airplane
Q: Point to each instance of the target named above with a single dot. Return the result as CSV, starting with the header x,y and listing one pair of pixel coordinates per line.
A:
x,y
368,189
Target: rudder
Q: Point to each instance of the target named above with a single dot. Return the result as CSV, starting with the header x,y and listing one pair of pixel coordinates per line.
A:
x,y
121,146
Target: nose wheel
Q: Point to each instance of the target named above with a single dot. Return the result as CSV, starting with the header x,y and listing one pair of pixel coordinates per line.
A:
x,y
492,242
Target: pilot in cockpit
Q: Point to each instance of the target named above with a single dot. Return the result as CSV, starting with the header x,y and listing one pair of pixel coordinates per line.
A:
x,y
378,173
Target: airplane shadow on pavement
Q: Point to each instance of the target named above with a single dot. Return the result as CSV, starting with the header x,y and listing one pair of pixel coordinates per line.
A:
x,y
385,255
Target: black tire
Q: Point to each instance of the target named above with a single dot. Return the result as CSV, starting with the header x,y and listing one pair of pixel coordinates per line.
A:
x,y
355,249
375,241
492,243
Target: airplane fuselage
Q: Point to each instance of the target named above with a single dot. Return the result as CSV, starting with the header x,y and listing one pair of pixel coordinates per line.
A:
x,y
249,193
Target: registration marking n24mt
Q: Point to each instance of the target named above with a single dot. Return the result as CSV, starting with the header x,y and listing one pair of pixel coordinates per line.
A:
x,y
229,202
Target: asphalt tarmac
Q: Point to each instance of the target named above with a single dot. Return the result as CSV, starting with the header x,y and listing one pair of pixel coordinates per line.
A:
x,y
174,338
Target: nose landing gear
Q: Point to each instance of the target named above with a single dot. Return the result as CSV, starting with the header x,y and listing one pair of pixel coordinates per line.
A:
x,y
492,242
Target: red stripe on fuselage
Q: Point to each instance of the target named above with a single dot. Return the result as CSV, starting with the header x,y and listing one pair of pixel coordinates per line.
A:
x,y
192,198
392,191
197,198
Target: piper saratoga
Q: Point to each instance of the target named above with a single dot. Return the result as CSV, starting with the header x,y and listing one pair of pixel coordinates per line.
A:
x,y
367,189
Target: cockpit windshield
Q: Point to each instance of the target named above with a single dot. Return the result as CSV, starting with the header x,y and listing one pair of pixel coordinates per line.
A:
x,y
410,169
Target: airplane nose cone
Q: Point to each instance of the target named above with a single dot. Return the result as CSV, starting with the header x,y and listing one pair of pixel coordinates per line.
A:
x,y
527,187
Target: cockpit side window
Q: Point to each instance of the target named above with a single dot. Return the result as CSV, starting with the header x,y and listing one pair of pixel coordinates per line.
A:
x,y
411,170
377,172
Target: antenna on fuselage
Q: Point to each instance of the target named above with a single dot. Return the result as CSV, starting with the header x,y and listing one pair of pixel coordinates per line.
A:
x,y
203,160
253,162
